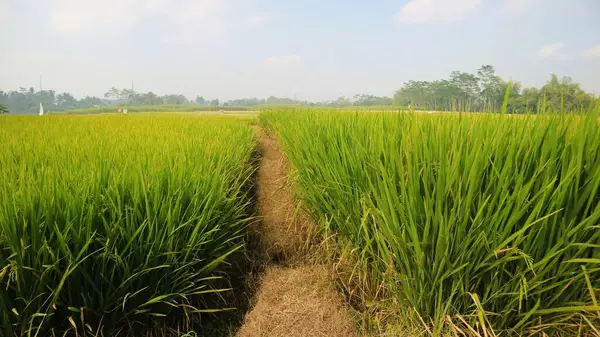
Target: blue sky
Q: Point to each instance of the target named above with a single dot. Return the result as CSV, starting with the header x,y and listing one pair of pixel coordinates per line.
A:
x,y
308,49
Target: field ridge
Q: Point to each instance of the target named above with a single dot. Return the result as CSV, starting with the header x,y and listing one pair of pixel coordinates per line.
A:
x,y
293,298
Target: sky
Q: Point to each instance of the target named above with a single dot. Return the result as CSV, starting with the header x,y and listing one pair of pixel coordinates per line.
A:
x,y
307,49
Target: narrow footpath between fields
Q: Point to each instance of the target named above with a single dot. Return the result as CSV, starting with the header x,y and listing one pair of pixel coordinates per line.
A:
x,y
294,297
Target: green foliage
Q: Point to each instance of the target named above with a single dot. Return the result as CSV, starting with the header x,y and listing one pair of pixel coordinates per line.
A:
x,y
26,101
199,100
3,109
369,100
565,95
131,97
271,100
485,93
114,224
449,211
358,100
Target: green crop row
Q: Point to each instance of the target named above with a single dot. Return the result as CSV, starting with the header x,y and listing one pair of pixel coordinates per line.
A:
x,y
495,218
110,223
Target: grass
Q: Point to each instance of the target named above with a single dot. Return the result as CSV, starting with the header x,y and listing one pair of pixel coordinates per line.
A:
x,y
482,219
119,225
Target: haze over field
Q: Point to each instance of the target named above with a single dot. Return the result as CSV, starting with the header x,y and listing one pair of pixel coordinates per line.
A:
x,y
312,50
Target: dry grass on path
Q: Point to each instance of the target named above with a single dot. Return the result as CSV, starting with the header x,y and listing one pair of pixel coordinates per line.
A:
x,y
298,301
291,301
284,231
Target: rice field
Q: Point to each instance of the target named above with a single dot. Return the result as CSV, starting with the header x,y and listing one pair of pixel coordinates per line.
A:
x,y
471,221
465,224
111,225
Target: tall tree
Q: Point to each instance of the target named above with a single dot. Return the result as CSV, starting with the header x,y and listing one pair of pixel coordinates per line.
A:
x,y
565,95
113,94
469,87
529,100
491,92
66,101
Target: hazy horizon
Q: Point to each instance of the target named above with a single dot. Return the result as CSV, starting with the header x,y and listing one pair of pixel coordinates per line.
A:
x,y
315,50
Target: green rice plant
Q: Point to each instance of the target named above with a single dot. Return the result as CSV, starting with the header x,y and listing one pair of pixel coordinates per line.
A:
x,y
113,225
486,216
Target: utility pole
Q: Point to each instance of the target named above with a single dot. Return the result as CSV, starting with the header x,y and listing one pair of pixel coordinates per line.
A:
x,y
130,94
41,107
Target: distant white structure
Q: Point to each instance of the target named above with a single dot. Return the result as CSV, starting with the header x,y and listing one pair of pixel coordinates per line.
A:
x,y
41,109
125,111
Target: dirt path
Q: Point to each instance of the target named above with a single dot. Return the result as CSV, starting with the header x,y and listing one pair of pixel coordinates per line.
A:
x,y
282,231
293,299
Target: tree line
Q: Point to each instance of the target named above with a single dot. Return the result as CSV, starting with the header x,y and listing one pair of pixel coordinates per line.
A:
x,y
356,100
131,97
28,100
486,92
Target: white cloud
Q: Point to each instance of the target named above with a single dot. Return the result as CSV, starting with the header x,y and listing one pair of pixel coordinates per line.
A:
x,y
520,5
260,18
592,52
285,60
436,11
186,21
551,51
